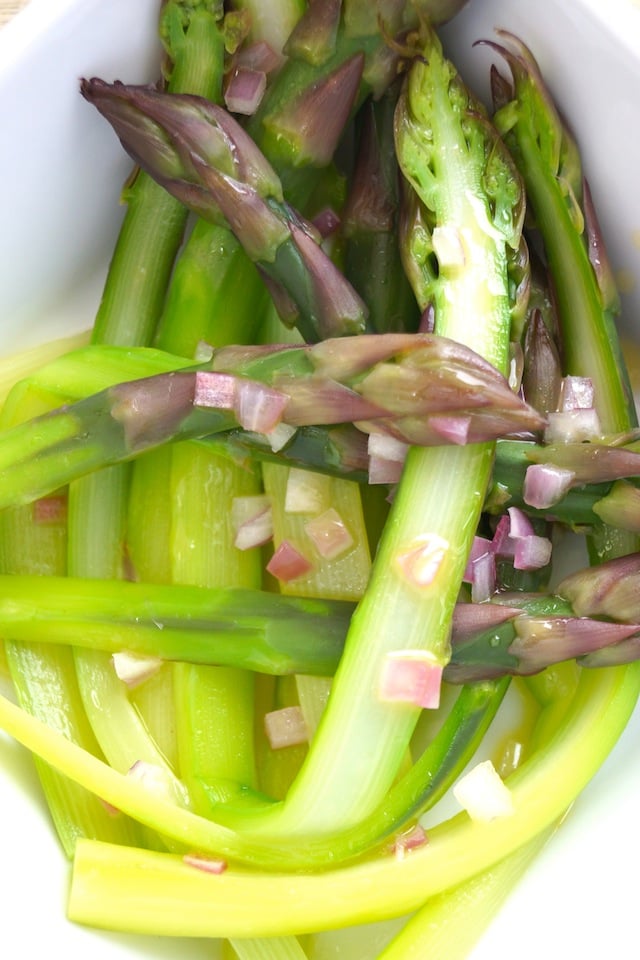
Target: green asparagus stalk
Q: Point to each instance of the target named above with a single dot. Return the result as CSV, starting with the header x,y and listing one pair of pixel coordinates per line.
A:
x,y
521,634
154,221
559,199
33,541
422,553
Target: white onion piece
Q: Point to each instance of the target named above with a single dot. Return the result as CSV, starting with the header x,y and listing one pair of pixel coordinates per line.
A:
x,y
577,393
207,864
411,676
329,534
572,426
482,793
159,781
546,484
285,727
279,437
287,563
133,668
245,90
307,492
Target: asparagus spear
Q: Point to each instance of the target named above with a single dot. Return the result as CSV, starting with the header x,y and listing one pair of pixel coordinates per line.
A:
x,y
521,634
334,382
199,153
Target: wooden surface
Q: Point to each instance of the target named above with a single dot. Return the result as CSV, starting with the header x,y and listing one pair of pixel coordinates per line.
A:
x,y
8,9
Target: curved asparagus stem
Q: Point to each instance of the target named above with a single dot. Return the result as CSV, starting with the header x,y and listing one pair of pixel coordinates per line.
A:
x,y
136,890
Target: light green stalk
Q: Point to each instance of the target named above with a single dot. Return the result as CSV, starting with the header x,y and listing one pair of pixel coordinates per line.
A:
x,y
154,222
454,161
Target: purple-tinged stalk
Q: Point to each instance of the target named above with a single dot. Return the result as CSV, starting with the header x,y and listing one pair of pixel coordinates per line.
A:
x,y
518,634
565,217
201,155
337,55
258,388
370,219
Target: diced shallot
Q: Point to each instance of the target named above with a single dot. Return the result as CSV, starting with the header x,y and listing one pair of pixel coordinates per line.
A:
x,y
280,435
326,222
287,563
479,547
52,509
451,429
134,668
285,727
420,560
483,794
532,553
519,523
577,393
245,90
483,577
207,864
329,534
159,781
252,521
411,676
546,484
257,407
307,492
386,458
573,426
258,56
480,571
404,842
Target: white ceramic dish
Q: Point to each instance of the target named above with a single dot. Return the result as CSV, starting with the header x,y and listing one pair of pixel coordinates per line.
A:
x,y
61,172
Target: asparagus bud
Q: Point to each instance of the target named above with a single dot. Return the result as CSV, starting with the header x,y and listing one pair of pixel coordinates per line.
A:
x,y
201,155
